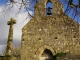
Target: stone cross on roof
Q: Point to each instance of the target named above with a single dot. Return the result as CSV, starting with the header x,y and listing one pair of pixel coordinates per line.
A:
x,y
10,37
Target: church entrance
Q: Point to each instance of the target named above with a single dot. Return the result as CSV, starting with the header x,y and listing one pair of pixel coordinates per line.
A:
x,y
46,55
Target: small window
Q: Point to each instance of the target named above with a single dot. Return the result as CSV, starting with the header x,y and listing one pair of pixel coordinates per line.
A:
x,y
49,8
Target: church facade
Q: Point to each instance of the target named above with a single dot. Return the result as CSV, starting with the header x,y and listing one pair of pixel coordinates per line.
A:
x,y
49,32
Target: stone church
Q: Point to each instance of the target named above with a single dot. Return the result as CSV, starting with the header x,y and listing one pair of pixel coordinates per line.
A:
x,y
49,32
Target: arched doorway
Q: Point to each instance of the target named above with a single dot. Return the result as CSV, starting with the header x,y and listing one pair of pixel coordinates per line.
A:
x,y
46,55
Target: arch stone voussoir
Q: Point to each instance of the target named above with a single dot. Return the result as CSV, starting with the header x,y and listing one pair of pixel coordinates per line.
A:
x,y
42,48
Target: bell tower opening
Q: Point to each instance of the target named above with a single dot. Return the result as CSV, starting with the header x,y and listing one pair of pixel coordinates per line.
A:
x,y
49,8
46,55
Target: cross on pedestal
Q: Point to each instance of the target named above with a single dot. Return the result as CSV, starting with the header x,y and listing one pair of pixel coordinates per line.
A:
x,y
10,36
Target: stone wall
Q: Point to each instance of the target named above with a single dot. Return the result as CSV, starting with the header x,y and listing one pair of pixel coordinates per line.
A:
x,y
58,33
8,58
60,36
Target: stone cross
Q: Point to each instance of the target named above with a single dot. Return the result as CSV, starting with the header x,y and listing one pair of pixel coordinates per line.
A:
x,y
10,37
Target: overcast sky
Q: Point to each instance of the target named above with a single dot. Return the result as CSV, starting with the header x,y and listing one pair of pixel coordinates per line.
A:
x,y
4,28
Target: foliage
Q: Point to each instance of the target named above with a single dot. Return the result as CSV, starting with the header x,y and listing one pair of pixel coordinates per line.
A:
x,y
15,52
58,55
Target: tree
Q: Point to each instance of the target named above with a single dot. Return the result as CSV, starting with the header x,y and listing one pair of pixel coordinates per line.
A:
x,y
73,7
28,5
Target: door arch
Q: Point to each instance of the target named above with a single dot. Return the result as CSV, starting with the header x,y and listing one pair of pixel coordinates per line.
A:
x,y
43,48
46,55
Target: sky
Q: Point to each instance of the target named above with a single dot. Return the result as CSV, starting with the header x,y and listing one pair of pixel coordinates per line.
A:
x,y
71,11
4,28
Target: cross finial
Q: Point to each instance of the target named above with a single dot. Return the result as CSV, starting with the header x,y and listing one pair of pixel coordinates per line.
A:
x,y
12,21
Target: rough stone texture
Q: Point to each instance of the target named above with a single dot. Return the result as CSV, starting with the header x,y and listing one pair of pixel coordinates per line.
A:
x,y
10,37
58,33
8,54
8,58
